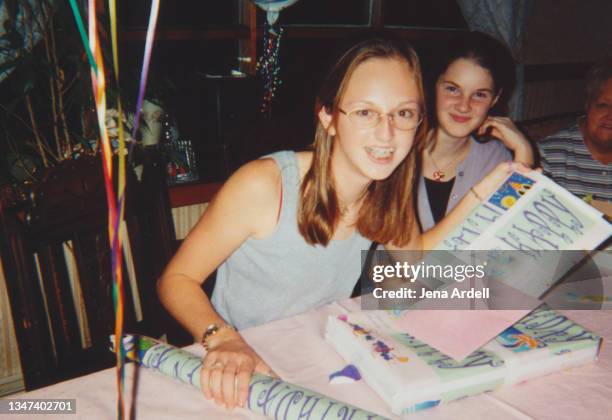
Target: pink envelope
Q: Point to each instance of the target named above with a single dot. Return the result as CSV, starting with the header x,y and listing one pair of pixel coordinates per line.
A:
x,y
458,327
457,333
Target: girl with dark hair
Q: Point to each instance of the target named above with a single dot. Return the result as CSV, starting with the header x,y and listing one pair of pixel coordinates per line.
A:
x,y
473,79
286,232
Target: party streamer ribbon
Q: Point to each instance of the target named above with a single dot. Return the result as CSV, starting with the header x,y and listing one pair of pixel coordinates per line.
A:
x,y
99,87
112,7
93,51
145,65
115,207
81,28
268,396
116,245
121,187
154,14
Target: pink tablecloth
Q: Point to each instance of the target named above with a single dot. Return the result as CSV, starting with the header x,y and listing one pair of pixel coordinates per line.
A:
x,y
296,350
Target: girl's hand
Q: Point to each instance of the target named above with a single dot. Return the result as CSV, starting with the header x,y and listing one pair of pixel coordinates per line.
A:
x,y
506,131
227,369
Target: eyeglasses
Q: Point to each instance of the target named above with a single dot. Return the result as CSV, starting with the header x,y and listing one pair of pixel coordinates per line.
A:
x,y
402,119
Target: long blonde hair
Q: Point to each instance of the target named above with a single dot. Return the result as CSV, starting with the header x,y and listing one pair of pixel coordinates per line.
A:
x,y
387,213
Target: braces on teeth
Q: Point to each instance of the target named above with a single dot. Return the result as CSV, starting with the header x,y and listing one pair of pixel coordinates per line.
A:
x,y
380,153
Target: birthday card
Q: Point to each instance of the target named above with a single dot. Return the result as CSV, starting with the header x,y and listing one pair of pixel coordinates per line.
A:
x,y
528,234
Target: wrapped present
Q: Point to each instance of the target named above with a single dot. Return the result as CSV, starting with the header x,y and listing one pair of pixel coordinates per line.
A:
x,y
268,396
411,375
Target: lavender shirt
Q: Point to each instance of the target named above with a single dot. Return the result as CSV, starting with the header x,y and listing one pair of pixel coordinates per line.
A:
x,y
483,157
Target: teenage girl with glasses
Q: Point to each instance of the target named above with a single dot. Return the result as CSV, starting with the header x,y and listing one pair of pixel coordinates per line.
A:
x,y
286,232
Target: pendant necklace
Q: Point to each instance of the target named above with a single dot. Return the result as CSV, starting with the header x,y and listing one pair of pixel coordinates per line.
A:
x,y
439,174
343,210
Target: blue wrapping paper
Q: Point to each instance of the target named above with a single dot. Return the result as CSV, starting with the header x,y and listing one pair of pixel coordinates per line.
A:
x,y
268,396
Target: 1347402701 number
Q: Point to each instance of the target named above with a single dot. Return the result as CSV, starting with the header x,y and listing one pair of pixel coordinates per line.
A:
x,y
38,406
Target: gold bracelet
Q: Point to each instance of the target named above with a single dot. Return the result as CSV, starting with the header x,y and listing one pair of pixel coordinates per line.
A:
x,y
476,194
211,330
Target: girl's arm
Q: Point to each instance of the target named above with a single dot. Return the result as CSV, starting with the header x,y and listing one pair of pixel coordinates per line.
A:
x,y
246,206
473,198
430,239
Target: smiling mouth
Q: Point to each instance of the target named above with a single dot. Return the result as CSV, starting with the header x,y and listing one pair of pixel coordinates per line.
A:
x,y
380,152
459,119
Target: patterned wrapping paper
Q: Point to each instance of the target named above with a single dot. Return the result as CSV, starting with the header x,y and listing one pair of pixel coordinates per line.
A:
x,y
270,397
411,375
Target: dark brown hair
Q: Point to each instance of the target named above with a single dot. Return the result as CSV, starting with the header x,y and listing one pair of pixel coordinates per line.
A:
x,y
387,212
488,53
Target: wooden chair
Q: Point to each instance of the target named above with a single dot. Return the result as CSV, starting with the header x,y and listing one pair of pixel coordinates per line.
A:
x,y
57,263
538,128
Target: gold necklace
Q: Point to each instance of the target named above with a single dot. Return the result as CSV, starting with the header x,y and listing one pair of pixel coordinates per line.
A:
x,y
439,173
343,210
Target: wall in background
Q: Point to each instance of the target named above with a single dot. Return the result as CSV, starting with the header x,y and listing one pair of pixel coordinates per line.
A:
x,y
568,31
563,38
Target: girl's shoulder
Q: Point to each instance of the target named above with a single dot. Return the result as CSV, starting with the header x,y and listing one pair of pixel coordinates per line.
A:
x,y
491,149
259,183
304,159
250,198
257,179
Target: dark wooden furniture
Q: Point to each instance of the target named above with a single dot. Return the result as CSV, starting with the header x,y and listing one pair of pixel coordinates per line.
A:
x,y
66,217
196,193
539,128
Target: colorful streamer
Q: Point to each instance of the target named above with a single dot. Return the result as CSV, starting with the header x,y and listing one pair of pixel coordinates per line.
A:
x,y
145,65
116,244
268,396
112,7
81,28
91,43
99,87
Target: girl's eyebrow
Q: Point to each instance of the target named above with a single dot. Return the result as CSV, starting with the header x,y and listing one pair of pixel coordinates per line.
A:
x,y
411,101
372,104
477,90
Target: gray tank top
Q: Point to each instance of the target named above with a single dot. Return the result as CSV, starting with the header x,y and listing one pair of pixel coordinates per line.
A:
x,y
282,275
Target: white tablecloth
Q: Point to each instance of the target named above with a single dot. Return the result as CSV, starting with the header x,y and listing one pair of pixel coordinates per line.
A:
x,y
296,350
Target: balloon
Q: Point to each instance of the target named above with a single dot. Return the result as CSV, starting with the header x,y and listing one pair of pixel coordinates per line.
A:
x,y
273,8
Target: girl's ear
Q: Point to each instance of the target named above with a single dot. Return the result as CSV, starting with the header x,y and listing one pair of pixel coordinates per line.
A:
x,y
326,121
